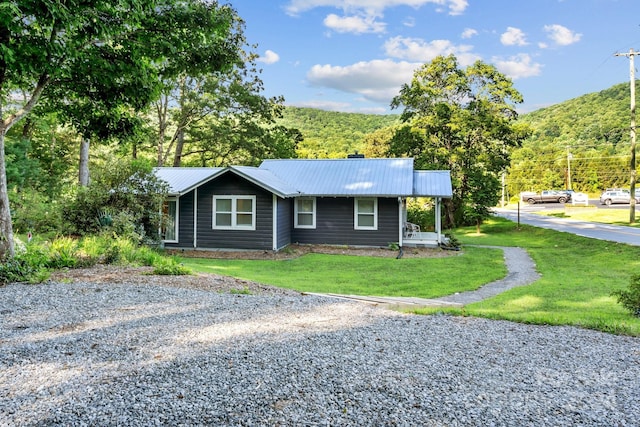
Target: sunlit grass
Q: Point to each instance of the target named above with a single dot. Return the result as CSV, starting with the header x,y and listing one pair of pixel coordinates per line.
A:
x,y
602,214
578,276
361,275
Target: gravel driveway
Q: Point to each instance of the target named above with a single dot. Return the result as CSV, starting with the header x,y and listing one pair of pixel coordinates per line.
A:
x,y
130,354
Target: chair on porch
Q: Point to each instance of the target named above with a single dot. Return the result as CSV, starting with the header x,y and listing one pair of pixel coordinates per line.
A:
x,y
411,230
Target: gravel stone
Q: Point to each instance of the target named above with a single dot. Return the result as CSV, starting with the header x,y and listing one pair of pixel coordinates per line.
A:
x,y
87,354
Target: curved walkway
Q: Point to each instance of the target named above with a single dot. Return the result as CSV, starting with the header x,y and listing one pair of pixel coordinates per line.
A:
x,y
521,271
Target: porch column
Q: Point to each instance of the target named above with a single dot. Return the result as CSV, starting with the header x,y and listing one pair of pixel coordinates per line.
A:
x,y
195,218
400,221
438,220
274,220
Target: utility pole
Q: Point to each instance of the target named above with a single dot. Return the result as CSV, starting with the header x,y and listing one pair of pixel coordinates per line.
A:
x,y
569,157
632,185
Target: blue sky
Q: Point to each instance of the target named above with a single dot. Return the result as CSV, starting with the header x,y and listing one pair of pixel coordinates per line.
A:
x,y
354,55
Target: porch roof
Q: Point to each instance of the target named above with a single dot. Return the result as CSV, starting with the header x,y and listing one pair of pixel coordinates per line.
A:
x,y
432,184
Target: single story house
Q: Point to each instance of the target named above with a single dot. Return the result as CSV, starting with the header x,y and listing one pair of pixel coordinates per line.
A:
x,y
353,201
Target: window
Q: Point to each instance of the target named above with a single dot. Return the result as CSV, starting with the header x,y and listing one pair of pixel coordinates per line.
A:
x,y
234,212
366,214
169,228
305,213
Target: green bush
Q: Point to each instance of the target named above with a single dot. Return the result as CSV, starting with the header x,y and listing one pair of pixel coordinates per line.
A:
x,y
35,212
630,299
123,198
421,214
170,267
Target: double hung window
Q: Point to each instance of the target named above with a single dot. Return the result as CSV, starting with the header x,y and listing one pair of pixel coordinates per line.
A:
x,y
305,212
366,214
234,212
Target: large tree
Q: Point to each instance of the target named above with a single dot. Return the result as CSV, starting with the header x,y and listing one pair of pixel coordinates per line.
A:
x,y
220,118
462,120
100,59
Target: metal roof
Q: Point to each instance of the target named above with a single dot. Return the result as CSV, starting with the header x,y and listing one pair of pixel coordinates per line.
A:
x,y
183,180
346,177
267,180
322,177
432,184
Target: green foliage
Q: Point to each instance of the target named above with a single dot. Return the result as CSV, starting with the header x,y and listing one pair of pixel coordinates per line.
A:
x,y
123,198
630,298
461,120
63,253
34,211
170,267
420,212
593,128
329,134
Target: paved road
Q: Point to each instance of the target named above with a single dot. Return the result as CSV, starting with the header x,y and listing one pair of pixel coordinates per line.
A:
x,y
614,233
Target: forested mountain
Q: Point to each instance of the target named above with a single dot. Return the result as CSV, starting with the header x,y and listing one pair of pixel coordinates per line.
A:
x,y
585,139
329,134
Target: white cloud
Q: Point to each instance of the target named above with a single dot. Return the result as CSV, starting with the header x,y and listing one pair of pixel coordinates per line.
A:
x,y
410,22
513,37
468,33
562,35
418,50
377,80
518,66
269,57
354,24
373,7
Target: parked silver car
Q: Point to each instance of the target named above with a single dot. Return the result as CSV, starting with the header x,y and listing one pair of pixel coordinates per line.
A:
x,y
616,196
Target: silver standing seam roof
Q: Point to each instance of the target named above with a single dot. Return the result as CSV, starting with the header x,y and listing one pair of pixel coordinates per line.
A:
x,y
432,184
322,178
183,180
346,177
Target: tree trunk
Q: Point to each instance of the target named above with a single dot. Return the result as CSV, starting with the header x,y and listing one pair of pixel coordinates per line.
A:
x,y
83,169
7,245
177,158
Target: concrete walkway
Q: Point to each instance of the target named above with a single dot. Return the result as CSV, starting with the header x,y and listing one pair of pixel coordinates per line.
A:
x,y
521,271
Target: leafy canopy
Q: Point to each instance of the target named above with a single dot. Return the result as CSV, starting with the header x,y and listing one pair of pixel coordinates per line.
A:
x,y
461,120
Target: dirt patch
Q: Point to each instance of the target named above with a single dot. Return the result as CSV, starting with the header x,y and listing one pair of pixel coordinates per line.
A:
x,y
108,274
295,251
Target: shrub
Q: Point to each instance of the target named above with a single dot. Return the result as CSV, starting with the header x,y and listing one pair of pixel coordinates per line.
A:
x,y
630,299
123,198
170,267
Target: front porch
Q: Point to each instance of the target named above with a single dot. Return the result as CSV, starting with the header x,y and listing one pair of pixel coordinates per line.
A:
x,y
421,239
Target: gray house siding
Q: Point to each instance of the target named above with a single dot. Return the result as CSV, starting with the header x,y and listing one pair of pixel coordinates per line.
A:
x,y
285,221
230,184
185,223
335,224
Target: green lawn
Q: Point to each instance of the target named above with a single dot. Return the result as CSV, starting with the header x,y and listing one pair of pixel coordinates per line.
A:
x,y
359,275
578,276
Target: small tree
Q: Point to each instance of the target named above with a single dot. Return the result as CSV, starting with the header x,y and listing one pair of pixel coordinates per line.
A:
x,y
630,299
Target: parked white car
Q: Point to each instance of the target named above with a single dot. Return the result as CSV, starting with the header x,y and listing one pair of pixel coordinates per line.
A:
x,y
618,196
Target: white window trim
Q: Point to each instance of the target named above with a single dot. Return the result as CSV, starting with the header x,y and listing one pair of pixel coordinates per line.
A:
x,y
313,213
356,206
177,222
234,213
